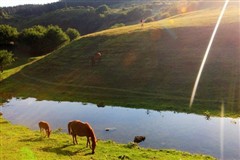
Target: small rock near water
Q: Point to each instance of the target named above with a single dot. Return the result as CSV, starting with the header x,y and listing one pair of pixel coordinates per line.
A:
x,y
139,139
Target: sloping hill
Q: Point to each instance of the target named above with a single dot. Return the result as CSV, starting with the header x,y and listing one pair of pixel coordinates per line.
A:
x,y
154,66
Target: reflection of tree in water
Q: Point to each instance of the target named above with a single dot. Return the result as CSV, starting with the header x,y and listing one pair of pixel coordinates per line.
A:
x,y
148,112
4,97
207,117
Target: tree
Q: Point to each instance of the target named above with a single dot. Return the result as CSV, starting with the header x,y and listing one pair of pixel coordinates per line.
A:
x,y
117,25
72,33
102,9
149,19
39,40
32,39
54,37
7,34
6,58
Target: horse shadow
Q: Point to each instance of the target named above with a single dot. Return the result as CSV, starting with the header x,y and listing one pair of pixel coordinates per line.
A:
x,y
35,139
4,122
38,139
61,150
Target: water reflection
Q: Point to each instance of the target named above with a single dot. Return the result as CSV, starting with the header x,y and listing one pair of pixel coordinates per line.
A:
x,y
188,132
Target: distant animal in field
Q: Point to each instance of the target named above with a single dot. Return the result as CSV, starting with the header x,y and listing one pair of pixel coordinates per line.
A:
x,y
139,139
78,128
43,125
96,58
1,113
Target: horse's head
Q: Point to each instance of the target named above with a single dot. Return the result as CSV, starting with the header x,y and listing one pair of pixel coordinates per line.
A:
x,y
48,133
93,145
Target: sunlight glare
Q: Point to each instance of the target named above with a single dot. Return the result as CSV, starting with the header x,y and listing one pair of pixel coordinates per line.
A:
x,y
222,132
183,9
183,6
206,53
171,21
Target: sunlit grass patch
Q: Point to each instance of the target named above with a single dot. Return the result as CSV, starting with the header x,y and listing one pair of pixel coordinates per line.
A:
x,y
18,142
11,71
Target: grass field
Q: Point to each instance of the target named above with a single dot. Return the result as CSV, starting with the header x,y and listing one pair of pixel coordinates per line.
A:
x,y
20,143
151,67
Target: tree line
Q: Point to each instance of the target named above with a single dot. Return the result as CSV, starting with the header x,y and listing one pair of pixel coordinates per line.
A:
x,y
87,19
36,40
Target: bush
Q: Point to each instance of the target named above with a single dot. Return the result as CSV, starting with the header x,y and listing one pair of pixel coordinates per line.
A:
x,y
149,19
54,38
72,33
117,25
39,40
103,9
32,39
7,34
6,58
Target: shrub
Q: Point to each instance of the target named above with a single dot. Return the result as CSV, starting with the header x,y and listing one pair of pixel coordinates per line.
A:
x,y
72,33
7,34
118,25
149,19
103,9
6,58
38,40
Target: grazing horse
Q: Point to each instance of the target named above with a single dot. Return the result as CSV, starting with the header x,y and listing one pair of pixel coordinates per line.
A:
x,y
95,58
82,129
45,126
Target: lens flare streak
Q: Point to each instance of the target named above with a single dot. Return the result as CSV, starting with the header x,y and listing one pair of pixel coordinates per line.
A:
x,y
207,52
222,132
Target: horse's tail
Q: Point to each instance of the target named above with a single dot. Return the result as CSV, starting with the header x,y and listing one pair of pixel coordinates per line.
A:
x,y
69,128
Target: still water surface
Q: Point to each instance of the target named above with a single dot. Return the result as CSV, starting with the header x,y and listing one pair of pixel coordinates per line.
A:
x,y
163,130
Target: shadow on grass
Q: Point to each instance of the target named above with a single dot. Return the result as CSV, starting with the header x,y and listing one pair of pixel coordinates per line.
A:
x,y
4,122
37,139
61,150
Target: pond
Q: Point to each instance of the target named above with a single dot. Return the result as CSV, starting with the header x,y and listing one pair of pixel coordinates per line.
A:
x,y
219,137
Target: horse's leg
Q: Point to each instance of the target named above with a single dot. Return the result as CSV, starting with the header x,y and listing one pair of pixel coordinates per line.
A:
x,y
45,133
76,139
88,142
41,132
73,139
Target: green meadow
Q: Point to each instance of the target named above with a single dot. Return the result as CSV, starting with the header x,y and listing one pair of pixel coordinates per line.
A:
x,y
152,67
20,143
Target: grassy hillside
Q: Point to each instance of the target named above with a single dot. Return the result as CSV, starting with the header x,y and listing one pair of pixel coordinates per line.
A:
x,y
154,66
18,142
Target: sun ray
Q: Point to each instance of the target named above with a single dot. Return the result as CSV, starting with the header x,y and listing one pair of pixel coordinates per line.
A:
x,y
222,132
207,52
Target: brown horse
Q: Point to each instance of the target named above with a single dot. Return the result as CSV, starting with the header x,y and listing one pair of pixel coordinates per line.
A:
x,y
95,58
82,129
43,125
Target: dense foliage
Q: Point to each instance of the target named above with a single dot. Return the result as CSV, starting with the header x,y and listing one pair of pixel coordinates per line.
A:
x,y
72,33
6,58
38,40
8,34
85,16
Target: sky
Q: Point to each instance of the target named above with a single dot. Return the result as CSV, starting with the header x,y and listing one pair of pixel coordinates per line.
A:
x,y
7,3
